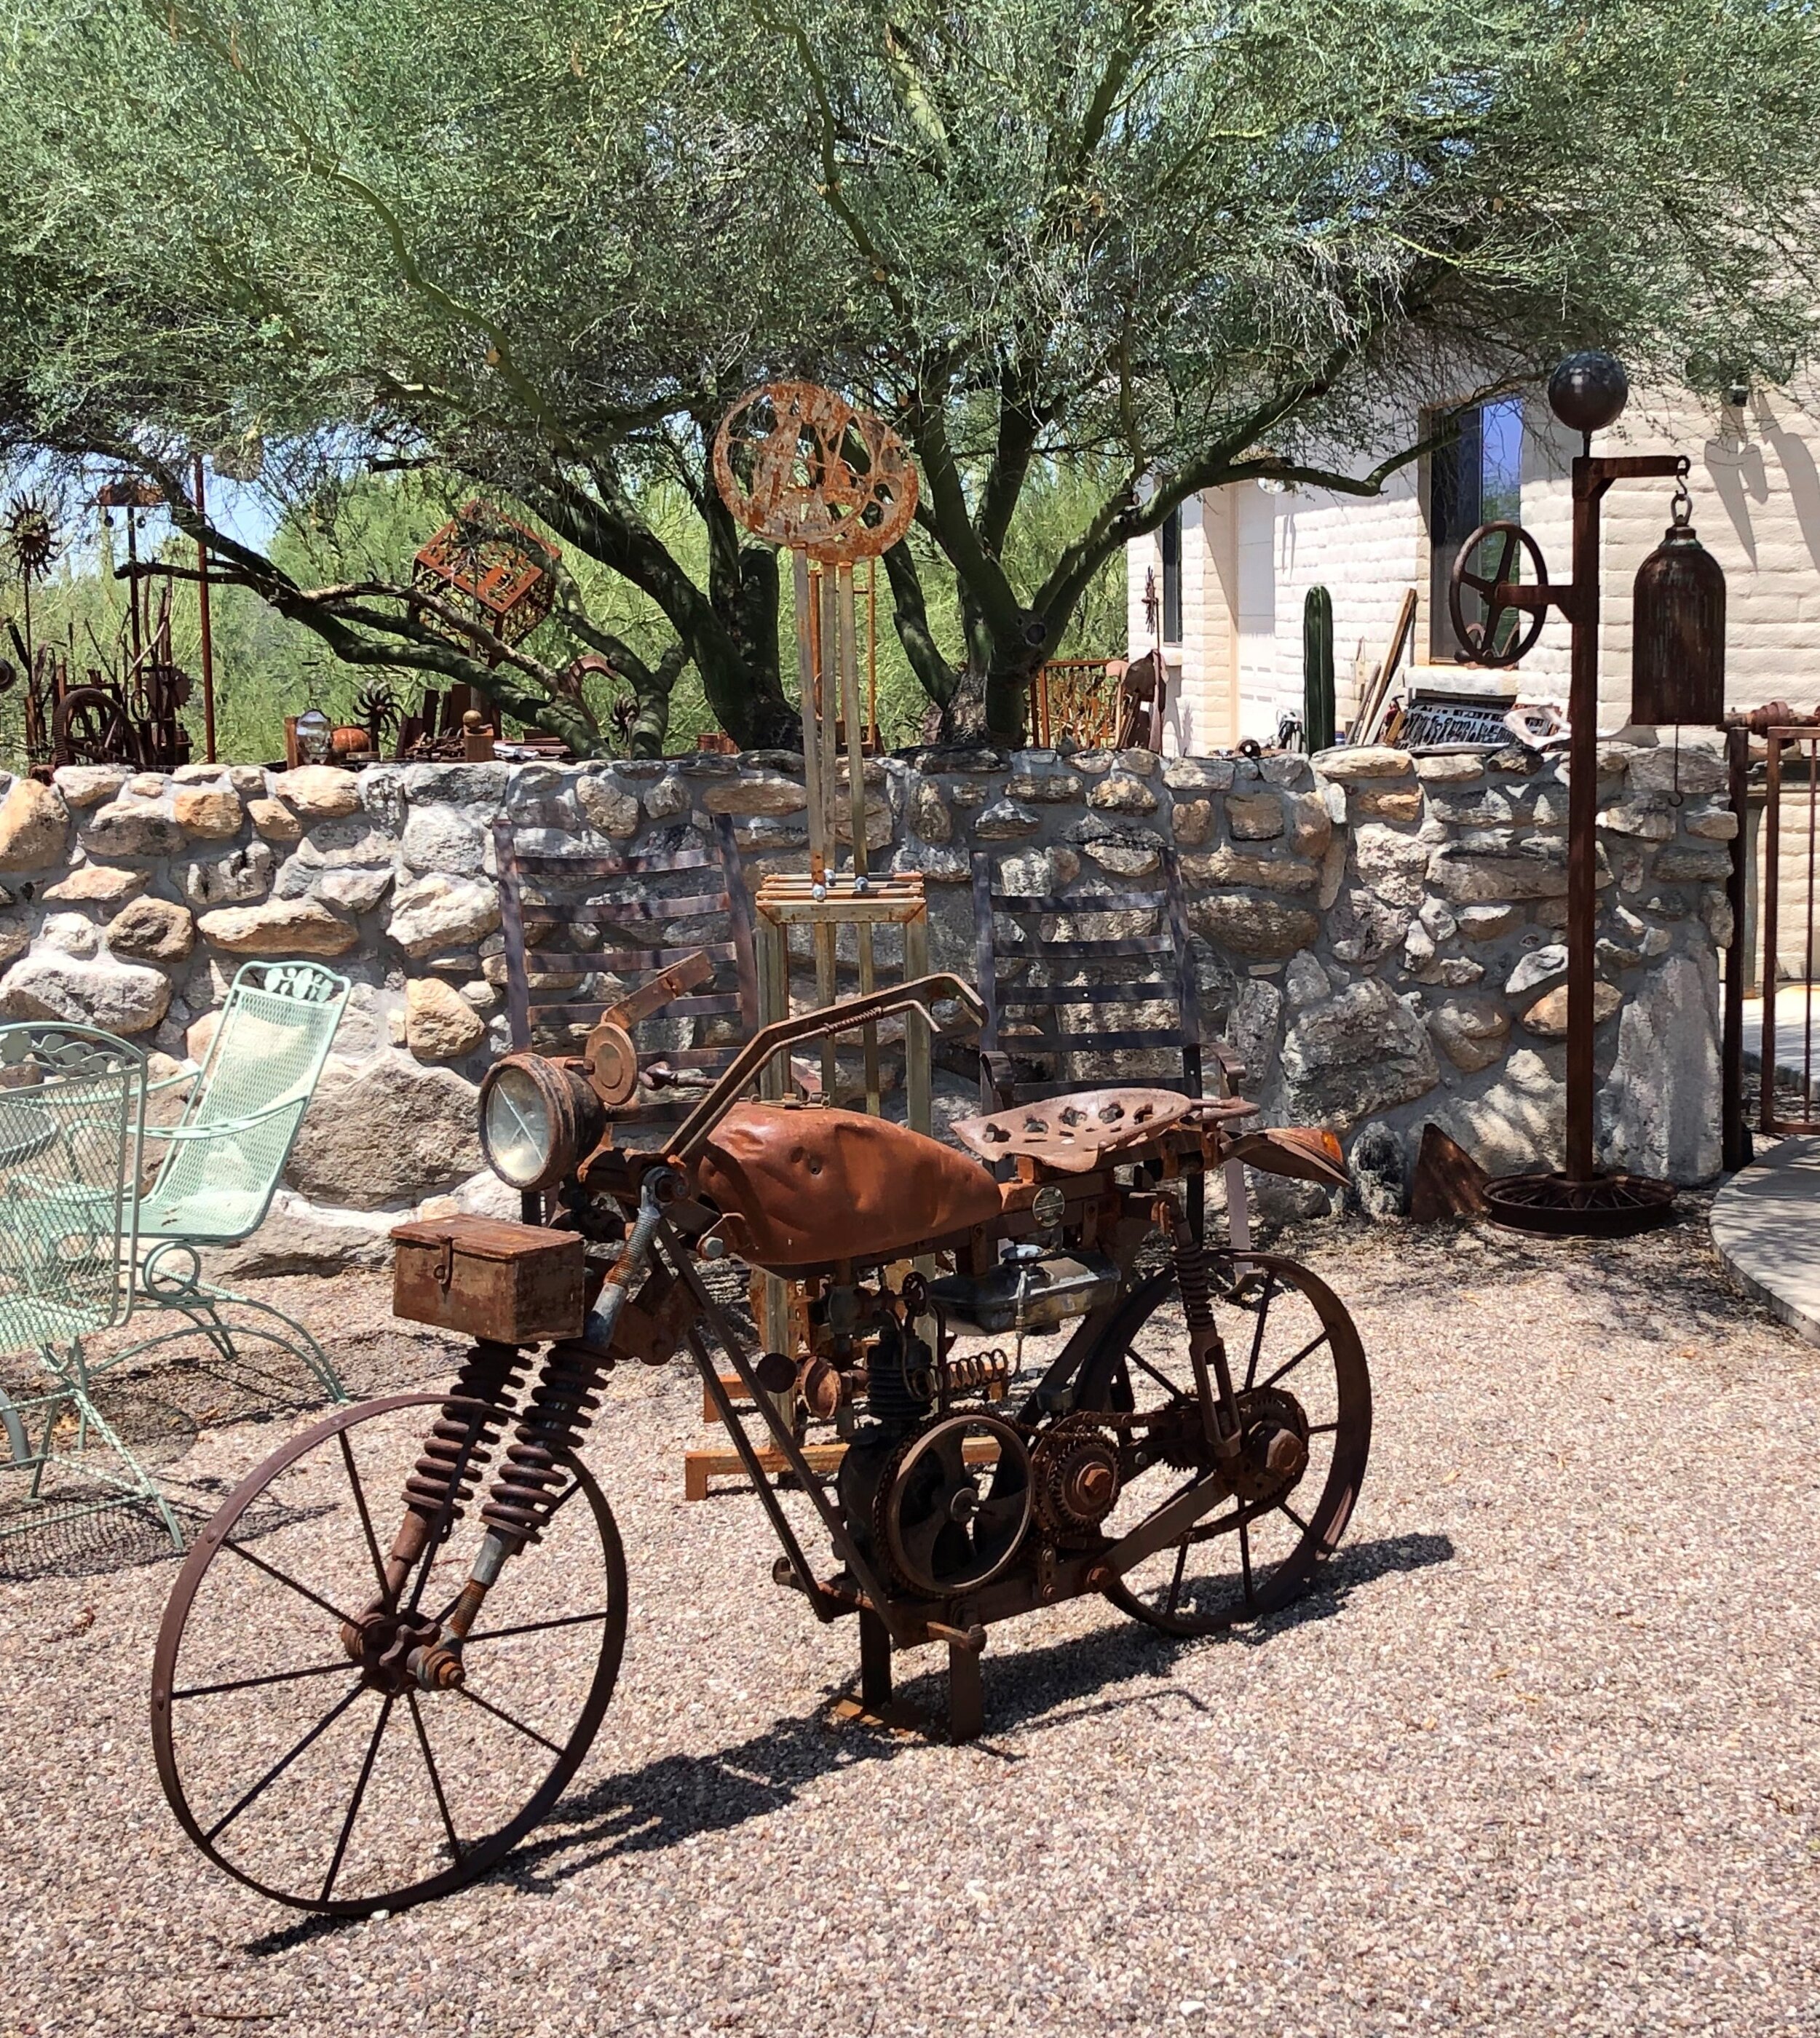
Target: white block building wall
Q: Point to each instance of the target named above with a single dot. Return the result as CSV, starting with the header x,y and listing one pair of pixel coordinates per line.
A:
x,y
1249,557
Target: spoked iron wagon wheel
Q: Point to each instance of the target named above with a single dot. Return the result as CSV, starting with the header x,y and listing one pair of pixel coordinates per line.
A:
x,y
90,727
1303,1388
338,1785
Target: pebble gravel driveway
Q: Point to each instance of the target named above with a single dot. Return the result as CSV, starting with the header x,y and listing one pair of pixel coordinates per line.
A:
x,y
1541,1755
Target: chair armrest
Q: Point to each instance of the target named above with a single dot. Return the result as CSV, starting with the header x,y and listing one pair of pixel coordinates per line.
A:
x,y
228,1125
170,1082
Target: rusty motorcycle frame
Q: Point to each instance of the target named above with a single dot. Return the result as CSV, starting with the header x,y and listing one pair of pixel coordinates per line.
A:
x,y
350,1724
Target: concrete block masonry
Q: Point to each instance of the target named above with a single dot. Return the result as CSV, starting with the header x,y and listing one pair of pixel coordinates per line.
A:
x,y
1379,930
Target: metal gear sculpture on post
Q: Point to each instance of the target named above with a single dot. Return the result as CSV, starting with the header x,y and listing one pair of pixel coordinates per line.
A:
x,y
800,467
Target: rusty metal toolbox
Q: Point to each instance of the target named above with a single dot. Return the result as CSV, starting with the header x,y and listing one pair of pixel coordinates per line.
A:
x,y
483,1277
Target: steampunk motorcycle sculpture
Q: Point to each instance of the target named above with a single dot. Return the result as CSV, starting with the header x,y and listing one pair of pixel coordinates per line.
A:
x,y
367,1689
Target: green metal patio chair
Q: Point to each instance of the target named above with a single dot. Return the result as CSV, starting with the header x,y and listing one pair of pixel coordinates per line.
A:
x,y
227,1154
72,1121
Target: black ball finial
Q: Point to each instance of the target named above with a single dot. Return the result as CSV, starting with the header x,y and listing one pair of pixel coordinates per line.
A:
x,y
1588,390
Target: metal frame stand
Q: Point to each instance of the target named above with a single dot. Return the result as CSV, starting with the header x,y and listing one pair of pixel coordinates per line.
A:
x,y
1580,1201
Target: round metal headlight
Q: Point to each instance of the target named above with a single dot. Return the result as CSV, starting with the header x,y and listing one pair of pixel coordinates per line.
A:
x,y
539,1120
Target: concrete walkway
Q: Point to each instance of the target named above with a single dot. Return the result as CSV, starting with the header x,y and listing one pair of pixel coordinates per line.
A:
x,y
1792,1032
1766,1225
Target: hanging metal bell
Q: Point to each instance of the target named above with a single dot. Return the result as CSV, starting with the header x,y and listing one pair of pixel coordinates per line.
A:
x,y
1677,660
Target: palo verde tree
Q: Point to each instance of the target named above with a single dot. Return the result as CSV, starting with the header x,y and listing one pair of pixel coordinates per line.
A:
x,y
1200,243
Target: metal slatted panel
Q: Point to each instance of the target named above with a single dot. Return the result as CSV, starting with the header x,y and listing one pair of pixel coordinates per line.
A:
x,y
1045,1036
544,893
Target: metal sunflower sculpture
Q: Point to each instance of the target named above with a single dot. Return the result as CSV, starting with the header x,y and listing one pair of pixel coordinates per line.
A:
x,y
32,535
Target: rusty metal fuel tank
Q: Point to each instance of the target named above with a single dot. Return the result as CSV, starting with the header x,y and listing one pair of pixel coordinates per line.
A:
x,y
800,1189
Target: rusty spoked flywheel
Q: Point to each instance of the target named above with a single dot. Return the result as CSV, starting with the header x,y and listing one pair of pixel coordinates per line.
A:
x,y
294,1742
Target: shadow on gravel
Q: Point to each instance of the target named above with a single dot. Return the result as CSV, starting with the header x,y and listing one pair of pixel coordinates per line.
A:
x,y
679,1798
1673,1274
160,1409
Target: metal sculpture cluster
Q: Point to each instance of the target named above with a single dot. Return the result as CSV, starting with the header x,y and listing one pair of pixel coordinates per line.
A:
x,y
126,709
366,1690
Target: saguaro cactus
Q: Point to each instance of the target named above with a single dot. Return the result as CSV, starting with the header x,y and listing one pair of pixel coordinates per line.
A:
x,y
1318,668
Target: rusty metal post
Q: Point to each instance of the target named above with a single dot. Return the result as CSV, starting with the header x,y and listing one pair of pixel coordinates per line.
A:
x,y
207,634
849,665
966,1694
1582,817
875,1661
1735,1137
1769,879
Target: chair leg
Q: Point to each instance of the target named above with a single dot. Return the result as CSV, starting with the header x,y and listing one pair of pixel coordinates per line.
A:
x,y
201,1306
138,1485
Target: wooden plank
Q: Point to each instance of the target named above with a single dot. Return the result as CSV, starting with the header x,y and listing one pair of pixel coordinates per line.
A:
x,y
832,912
699,1466
733,1387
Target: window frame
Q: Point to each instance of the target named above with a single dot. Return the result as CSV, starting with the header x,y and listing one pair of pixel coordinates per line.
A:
x,y
1457,480
1169,590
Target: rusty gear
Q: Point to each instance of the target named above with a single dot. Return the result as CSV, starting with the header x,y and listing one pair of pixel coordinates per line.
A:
x,y
1175,1436
1074,1470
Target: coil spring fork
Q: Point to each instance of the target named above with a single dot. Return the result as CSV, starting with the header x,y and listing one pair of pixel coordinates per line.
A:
x,y
460,1443
438,1488
1206,1347
561,1406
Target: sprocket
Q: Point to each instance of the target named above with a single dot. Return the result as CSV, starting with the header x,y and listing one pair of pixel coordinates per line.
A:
x,y
1074,1470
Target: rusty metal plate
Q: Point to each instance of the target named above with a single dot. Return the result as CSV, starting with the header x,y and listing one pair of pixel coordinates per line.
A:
x,y
799,467
1079,1132
485,1278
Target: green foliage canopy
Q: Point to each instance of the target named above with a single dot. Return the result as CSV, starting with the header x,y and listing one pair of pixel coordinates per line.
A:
x,y
1168,248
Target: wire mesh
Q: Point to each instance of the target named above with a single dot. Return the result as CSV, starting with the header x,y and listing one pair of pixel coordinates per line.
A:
x,y
72,1120
230,1147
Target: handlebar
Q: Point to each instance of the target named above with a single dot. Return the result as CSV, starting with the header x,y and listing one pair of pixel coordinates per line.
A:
x,y
845,1018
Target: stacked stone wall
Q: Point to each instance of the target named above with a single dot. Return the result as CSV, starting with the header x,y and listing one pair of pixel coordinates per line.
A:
x,y
1379,934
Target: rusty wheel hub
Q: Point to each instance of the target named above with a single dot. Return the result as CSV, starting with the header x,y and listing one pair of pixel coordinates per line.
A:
x,y
1275,1453
384,1643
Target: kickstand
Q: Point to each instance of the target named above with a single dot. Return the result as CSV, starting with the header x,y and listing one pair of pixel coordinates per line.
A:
x,y
878,1704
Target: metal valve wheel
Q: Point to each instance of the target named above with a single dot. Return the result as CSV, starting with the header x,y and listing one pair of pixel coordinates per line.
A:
x,y
1482,640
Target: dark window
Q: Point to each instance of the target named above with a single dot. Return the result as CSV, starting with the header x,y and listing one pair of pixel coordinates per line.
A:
x,y
1172,577
1477,479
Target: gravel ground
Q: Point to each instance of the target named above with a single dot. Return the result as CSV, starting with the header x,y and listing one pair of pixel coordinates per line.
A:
x,y
1538,1756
